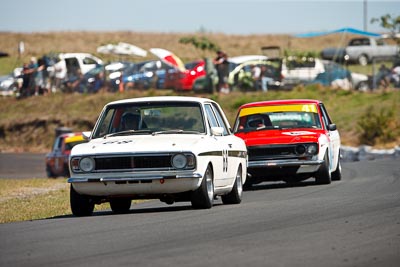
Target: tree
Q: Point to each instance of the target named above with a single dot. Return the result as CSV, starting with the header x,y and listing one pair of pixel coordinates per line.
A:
x,y
390,23
204,44
200,43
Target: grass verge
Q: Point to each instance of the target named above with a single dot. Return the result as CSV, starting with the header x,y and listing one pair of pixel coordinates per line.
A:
x,y
34,199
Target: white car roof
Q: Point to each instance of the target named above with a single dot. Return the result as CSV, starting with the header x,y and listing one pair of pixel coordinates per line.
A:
x,y
241,59
163,98
79,55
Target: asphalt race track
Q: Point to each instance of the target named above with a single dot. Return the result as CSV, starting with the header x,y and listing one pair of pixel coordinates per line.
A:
x,y
353,222
22,165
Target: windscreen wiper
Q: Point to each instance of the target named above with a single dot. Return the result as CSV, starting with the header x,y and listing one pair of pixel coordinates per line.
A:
x,y
175,131
246,130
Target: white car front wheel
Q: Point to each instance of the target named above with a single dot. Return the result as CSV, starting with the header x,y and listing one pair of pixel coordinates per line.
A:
x,y
203,197
81,205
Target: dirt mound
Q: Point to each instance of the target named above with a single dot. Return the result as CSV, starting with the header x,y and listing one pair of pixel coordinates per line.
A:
x,y
36,135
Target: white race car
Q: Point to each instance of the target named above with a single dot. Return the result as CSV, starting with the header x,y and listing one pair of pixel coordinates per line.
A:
x,y
167,148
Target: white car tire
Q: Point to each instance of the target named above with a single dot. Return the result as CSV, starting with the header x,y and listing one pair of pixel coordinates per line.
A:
x,y
81,205
203,197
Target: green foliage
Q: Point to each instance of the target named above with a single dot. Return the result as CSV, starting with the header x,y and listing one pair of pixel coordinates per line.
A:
x,y
301,55
7,64
378,127
246,82
201,43
241,101
299,59
390,23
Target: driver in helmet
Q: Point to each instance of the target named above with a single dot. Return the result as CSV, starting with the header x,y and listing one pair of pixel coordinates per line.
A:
x,y
130,121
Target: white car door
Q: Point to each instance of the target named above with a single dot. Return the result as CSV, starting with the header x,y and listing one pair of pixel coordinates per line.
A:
x,y
222,148
87,63
334,138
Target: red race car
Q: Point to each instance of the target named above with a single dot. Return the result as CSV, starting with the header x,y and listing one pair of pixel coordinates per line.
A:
x,y
57,159
289,140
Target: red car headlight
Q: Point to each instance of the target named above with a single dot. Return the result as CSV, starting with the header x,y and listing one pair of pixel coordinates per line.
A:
x,y
312,149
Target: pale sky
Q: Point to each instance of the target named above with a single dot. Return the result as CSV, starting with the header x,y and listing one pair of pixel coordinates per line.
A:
x,y
190,16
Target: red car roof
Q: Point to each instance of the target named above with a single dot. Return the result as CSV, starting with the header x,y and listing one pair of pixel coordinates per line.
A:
x,y
281,102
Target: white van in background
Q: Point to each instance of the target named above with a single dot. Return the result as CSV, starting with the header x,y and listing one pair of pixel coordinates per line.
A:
x,y
79,61
295,72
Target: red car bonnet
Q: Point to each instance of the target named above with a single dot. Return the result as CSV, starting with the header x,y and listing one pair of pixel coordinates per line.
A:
x,y
279,136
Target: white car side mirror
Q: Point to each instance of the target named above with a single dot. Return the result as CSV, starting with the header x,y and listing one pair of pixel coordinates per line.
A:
x,y
86,135
218,131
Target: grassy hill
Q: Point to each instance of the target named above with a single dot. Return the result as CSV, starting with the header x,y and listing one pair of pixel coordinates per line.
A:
x,y
29,124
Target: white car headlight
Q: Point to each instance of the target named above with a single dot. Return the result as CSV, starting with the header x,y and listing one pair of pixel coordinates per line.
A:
x,y
86,164
179,161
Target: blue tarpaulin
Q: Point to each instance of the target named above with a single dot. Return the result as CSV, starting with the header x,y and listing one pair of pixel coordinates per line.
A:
x,y
342,30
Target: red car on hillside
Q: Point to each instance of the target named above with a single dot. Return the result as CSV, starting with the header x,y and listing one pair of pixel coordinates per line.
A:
x,y
57,159
183,80
289,140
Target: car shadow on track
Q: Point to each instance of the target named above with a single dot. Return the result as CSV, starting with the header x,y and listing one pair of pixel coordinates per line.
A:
x,y
182,206
134,210
278,185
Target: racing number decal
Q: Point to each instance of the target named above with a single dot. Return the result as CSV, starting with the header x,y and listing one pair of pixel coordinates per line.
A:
x,y
224,153
225,160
